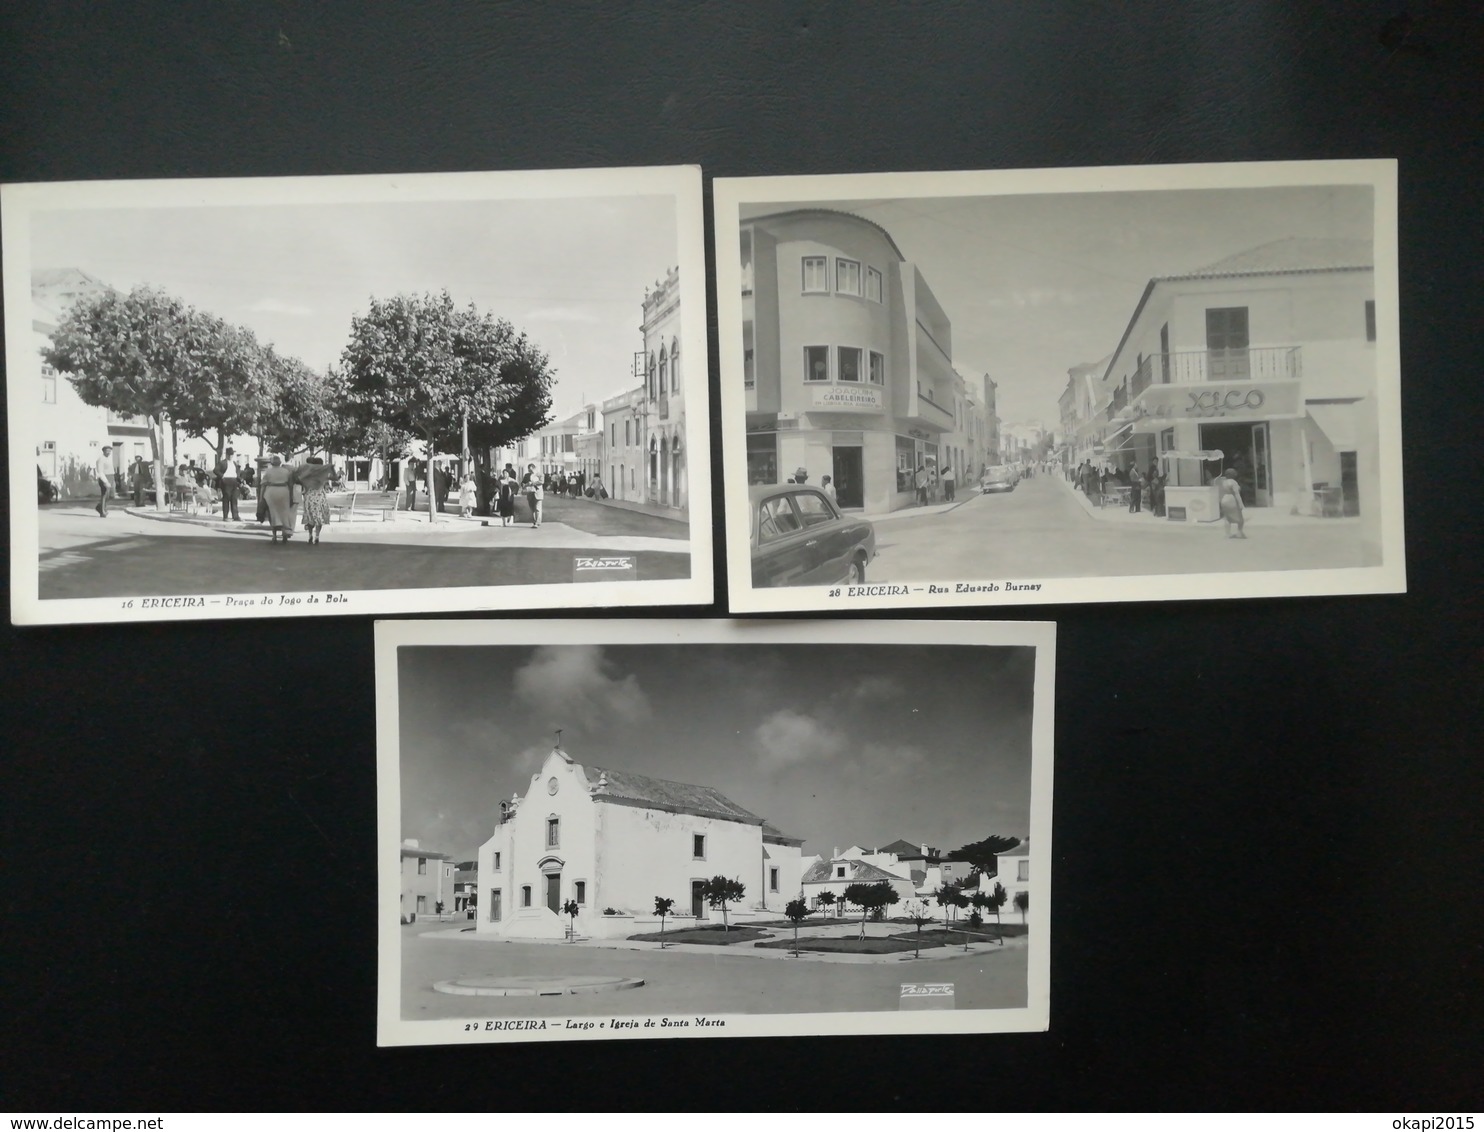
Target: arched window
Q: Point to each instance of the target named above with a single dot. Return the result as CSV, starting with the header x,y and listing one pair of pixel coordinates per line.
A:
x,y
674,365
653,392
664,367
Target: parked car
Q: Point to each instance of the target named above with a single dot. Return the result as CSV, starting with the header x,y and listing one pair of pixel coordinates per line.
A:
x,y
801,538
999,477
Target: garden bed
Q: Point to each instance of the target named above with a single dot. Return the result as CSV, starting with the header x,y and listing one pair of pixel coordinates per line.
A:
x,y
711,934
872,945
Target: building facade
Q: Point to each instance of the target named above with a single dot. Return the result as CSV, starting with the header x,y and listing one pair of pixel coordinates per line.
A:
x,y
666,480
847,359
610,839
1014,874
624,470
1262,363
427,881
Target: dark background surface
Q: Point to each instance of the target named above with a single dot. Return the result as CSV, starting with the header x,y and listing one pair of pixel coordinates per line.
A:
x,y
1267,859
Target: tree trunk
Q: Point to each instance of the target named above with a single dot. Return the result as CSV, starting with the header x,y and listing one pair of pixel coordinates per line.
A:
x,y
432,480
156,441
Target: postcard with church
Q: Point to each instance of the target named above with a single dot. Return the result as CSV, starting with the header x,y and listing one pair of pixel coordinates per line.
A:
x,y
1060,385
304,396
643,829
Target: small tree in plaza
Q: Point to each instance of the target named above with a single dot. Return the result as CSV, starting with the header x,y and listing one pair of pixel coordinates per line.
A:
x,y
870,898
997,898
827,902
1022,904
980,903
796,910
662,906
570,910
920,914
718,891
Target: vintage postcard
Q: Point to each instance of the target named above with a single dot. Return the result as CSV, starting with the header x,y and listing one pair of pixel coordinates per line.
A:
x,y
654,829
1061,385
348,395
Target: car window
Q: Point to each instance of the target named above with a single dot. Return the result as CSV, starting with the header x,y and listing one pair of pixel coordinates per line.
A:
x,y
813,509
776,519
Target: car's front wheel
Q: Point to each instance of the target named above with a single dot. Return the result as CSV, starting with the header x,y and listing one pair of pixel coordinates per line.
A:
x,y
858,570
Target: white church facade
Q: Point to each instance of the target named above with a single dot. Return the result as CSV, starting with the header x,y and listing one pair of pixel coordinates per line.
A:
x,y
612,841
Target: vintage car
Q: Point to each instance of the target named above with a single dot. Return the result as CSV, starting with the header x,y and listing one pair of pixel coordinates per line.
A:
x,y
999,477
800,538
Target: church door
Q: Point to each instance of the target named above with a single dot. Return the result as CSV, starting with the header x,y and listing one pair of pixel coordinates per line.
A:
x,y
697,899
554,892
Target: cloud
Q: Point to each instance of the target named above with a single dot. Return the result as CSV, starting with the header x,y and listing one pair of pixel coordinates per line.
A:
x,y
891,758
278,306
574,686
876,688
788,738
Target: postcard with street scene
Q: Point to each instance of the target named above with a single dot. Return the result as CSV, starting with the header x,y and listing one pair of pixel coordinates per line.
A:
x,y
962,389
647,829
371,394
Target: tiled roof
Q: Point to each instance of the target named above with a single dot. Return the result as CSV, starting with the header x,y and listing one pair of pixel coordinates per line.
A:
x,y
1021,850
772,833
661,793
861,872
902,848
1293,254
428,853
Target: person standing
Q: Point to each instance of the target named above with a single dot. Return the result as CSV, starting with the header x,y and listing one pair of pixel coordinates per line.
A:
x,y
226,476
1135,489
139,474
948,481
535,490
277,484
505,495
466,495
922,485
313,480
103,470
1229,503
827,485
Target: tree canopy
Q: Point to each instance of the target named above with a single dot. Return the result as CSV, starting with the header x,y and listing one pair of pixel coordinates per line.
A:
x,y
719,890
870,898
982,855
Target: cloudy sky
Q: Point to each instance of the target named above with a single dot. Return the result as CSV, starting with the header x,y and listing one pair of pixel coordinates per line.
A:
x,y
570,272
1036,284
834,744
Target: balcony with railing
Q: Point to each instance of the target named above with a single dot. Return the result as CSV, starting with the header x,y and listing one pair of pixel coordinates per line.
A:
x,y
1251,363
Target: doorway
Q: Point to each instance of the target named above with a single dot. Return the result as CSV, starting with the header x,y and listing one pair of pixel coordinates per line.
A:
x,y
1349,485
494,905
1226,344
697,899
1246,450
554,892
848,473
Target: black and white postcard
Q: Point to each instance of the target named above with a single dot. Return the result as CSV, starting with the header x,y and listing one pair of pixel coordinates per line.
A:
x,y
653,829
349,395
1061,385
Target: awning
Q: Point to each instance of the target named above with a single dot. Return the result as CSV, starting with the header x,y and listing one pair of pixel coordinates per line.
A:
x,y
1337,421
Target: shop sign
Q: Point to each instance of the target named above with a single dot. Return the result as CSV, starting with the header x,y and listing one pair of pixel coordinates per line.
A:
x,y
846,398
1232,401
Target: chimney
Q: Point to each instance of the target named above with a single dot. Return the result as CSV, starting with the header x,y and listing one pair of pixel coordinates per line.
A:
x,y
924,849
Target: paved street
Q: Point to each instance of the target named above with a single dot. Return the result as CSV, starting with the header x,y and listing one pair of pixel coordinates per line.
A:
x,y
83,556
686,983
1040,531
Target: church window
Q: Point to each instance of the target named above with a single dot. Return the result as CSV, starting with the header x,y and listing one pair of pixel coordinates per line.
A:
x,y
580,892
773,880
553,832
525,896
497,861
698,847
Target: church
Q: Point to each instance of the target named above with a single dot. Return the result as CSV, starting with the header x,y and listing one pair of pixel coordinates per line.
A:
x,y
612,841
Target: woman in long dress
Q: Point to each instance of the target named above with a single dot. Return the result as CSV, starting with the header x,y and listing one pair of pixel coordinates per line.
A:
x,y
313,479
277,485
505,504
1229,501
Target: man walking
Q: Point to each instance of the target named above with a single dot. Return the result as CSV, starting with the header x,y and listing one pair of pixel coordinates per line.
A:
x,y
139,480
104,471
948,478
226,475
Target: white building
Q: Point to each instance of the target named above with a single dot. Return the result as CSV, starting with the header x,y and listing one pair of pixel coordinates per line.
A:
x,y
623,443
427,881
664,407
856,866
609,839
1014,872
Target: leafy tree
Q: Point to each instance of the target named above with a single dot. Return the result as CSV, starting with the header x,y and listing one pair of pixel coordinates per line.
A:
x,y
1022,904
129,353
870,897
570,910
827,901
997,898
424,367
982,855
662,906
796,910
718,891
919,913
980,902
308,409
226,385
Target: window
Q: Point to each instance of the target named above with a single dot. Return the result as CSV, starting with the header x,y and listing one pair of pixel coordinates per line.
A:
x,y
653,393
525,896
777,519
1024,872
816,274
422,903
664,371
49,383
850,363
497,862
579,891
847,277
422,866
553,832
813,508
674,365
773,880
878,368
839,872
873,284
1370,330
627,440
816,363
698,846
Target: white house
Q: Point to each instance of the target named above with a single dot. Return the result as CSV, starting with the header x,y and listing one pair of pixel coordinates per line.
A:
x,y
610,839
427,881
1015,874
855,866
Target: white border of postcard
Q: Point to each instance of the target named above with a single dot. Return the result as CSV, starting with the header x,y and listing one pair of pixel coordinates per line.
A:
x,y
731,194
393,1030
20,201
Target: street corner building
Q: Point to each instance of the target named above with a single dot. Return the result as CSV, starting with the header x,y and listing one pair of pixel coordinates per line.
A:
x,y
1262,363
612,841
427,882
848,364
